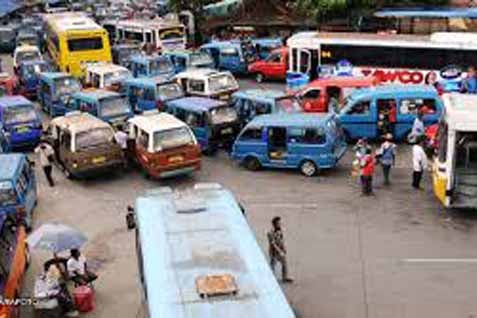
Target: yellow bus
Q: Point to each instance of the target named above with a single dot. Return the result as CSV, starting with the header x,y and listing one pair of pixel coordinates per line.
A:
x,y
74,39
455,165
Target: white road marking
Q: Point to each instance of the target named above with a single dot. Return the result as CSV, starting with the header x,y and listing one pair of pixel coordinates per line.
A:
x,y
439,260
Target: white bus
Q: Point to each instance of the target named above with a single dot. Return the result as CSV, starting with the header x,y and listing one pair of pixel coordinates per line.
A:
x,y
405,59
164,34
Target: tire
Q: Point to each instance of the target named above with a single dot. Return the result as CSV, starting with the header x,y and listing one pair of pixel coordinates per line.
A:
x,y
308,168
259,77
252,164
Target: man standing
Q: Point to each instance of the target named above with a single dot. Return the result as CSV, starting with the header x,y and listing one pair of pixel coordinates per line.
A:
x,y
419,164
418,129
276,248
387,157
47,156
121,138
367,171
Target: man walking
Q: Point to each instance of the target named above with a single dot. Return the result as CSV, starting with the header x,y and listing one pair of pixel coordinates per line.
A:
x,y
387,157
367,171
277,248
47,156
419,164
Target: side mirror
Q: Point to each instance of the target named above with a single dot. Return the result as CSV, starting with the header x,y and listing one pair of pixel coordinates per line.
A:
x,y
130,219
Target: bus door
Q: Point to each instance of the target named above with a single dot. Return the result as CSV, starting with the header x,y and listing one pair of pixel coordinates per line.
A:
x,y
304,61
360,120
464,190
277,145
441,171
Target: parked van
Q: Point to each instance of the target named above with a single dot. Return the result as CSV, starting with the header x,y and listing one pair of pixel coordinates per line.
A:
x,y
18,196
123,52
84,145
55,92
253,102
234,56
274,66
319,95
204,82
185,59
25,53
151,93
152,65
365,113
109,106
214,123
29,77
162,145
106,76
308,142
20,121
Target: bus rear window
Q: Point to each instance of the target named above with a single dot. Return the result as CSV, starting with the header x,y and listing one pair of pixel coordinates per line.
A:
x,y
88,44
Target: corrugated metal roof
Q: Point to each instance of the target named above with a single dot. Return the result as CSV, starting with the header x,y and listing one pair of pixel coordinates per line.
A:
x,y
9,165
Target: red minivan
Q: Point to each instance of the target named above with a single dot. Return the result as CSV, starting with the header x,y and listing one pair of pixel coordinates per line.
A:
x,y
321,93
273,67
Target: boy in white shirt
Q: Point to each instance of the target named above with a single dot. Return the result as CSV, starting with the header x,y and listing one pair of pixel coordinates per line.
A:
x,y
419,164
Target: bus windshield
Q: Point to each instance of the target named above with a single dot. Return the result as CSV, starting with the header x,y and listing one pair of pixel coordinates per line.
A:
x,y
170,91
66,85
20,114
27,56
7,193
115,77
93,138
288,105
172,138
222,115
115,106
85,44
200,59
222,83
160,66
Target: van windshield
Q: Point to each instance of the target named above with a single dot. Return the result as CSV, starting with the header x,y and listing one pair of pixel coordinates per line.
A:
x,y
93,138
20,114
222,115
33,69
160,66
66,85
172,138
7,193
223,82
115,77
27,56
170,91
288,105
200,59
115,106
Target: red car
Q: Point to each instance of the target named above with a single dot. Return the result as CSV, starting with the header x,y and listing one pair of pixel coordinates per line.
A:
x,y
7,84
273,67
319,94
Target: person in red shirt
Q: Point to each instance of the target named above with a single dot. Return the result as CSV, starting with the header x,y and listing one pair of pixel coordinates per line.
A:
x,y
392,117
367,171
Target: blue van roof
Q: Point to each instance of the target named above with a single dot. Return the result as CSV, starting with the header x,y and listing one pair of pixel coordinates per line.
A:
x,y
198,104
142,58
263,95
393,90
291,120
9,165
13,101
54,75
219,44
150,81
94,95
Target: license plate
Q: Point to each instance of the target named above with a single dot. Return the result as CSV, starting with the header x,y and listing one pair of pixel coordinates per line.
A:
x,y
226,131
23,129
176,158
99,159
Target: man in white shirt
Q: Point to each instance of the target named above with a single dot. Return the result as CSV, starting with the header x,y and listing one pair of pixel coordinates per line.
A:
x,y
78,270
121,138
419,164
47,155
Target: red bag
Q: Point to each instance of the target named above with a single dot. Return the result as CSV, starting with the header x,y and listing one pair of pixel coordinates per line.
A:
x,y
84,298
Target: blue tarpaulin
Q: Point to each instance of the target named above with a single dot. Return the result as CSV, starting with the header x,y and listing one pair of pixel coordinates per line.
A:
x,y
8,6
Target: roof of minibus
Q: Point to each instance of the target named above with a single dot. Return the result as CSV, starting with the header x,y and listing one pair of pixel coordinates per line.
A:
x,y
344,81
102,68
461,111
55,75
77,122
72,21
455,40
394,90
291,120
154,121
9,165
13,101
200,232
95,94
424,12
263,95
198,104
154,23
150,81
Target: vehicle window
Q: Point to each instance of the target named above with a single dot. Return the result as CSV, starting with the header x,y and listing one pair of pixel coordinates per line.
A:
x,y
274,58
288,105
20,114
143,139
7,193
172,138
114,106
197,86
96,81
442,136
168,34
86,107
86,44
360,108
45,88
180,62
307,136
93,138
194,120
312,94
261,108
224,114
161,66
414,105
252,133
199,59
229,52
222,82
67,85
170,91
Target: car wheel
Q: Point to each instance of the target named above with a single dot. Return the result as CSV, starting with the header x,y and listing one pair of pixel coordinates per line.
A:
x,y
308,168
252,164
259,77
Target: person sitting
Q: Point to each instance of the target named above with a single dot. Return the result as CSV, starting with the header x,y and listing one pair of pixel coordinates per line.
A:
x,y
78,269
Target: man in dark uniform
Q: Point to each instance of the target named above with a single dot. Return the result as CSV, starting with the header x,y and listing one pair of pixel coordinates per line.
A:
x,y
277,248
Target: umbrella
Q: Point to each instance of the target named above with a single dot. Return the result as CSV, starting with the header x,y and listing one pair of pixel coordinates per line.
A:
x,y
56,238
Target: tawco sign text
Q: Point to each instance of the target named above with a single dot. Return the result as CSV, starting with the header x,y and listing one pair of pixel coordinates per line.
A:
x,y
396,75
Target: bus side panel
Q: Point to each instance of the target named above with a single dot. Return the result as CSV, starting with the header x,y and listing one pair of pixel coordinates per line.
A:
x,y
439,183
17,267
